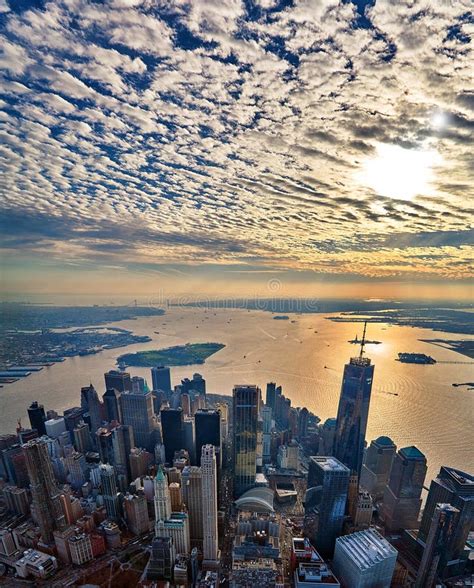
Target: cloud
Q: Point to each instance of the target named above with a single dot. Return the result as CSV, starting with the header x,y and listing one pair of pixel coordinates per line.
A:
x,y
178,132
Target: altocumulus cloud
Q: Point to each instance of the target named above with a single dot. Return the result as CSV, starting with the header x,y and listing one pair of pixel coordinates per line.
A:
x,y
194,132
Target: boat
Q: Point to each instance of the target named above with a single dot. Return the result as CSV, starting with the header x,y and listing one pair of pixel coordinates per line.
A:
x,y
357,341
420,358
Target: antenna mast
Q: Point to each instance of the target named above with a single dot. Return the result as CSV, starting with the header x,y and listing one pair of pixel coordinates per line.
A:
x,y
362,343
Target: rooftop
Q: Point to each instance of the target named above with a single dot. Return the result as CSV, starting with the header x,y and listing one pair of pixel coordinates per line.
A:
x,y
365,548
412,452
310,573
384,441
329,463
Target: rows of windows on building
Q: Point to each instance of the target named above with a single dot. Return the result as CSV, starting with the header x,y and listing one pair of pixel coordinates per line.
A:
x,y
150,463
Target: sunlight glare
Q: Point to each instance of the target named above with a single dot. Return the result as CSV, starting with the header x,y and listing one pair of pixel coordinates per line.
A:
x,y
397,172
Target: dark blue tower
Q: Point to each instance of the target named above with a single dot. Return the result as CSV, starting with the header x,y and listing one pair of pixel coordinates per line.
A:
x,y
353,411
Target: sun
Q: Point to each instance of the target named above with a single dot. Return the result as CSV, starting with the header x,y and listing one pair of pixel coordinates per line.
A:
x,y
401,173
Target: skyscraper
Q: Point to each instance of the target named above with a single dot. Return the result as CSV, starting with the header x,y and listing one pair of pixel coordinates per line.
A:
x,y
208,431
44,491
112,405
137,411
326,437
245,416
353,411
172,431
209,495
37,417
161,378
161,560
377,466
92,407
122,442
82,438
191,486
120,381
270,397
162,497
104,445
456,488
136,513
402,496
109,491
325,502
438,548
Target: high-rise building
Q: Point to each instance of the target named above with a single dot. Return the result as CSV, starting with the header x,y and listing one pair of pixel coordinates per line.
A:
x,y
55,427
136,513
438,547
44,491
271,394
92,407
161,378
112,405
105,445
377,465
82,438
176,497
456,488
364,560
223,409
266,414
120,381
139,385
303,418
140,459
353,411
137,412
161,561
326,437
37,417
176,527
73,417
109,491
189,438
191,487
77,467
209,508
402,496
208,431
325,503
197,383
246,400
123,441
172,431
162,497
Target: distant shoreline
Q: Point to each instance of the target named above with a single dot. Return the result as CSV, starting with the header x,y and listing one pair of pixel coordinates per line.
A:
x,y
180,355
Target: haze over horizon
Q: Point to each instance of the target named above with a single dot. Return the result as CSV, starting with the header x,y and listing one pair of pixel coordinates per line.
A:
x,y
307,148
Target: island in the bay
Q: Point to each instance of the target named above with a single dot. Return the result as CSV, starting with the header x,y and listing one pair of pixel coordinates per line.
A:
x,y
188,354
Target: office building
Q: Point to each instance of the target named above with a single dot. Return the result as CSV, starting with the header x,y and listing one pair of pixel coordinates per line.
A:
x,y
137,412
162,497
325,502
119,381
36,564
270,395
209,508
191,488
288,456
44,490
82,438
136,513
77,468
364,560
176,527
109,491
111,401
140,460
377,465
7,543
73,417
456,488
17,500
92,407
139,385
327,432
246,400
353,411
104,444
160,566
402,496
123,442
438,551
55,427
314,575
172,431
189,438
208,432
363,509
37,417
80,547
176,497
161,379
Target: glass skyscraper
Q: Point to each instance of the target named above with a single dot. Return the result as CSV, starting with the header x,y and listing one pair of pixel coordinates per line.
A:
x,y
208,432
352,413
246,400
325,502
172,431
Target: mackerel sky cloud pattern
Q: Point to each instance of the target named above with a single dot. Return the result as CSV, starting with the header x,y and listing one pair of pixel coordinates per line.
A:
x,y
233,134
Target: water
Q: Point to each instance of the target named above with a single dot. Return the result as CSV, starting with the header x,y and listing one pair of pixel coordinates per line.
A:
x,y
428,411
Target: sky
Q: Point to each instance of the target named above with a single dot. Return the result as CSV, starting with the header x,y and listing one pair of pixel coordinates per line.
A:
x,y
312,147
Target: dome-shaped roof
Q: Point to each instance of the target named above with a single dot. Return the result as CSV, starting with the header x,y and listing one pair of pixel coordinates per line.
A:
x,y
259,499
384,441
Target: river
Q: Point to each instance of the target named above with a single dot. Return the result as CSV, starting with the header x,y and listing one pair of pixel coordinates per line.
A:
x,y
428,411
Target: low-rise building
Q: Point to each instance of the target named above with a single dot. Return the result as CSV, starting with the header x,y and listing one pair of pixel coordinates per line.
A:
x,y
81,548
36,564
314,575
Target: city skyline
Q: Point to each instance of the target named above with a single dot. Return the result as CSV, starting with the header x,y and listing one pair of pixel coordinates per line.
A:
x,y
206,149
